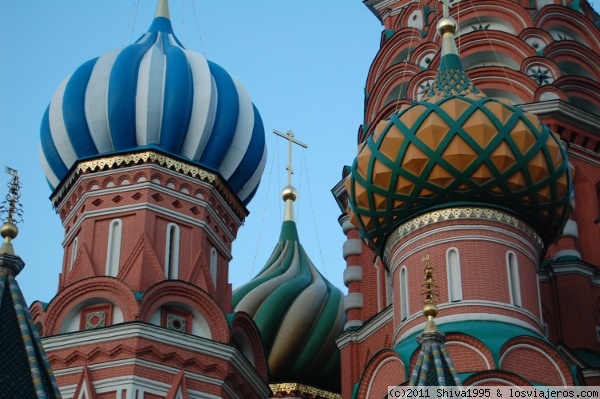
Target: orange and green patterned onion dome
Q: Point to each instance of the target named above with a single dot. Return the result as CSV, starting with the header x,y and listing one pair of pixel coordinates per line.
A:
x,y
298,313
458,147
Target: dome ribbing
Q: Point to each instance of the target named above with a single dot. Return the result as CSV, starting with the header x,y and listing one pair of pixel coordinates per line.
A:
x,y
458,147
155,93
297,311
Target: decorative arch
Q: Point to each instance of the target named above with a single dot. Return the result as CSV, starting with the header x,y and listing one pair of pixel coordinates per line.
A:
x,y
538,39
574,59
113,252
391,87
495,377
498,49
172,251
453,272
193,297
385,368
108,288
535,360
581,92
468,353
570,21
404,295
214,266
514,279
549,92
403,41
246,337
503,83
513,16
530,66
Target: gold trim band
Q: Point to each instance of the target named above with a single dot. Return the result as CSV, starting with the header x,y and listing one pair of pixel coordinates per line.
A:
x,y
461,213
288,387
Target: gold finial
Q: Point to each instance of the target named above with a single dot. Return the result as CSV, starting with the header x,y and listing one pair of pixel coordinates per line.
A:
x,y
289,193
162,9
14,211
430,310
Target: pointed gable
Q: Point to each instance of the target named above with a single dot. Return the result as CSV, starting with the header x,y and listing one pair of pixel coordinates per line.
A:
x,y
24,370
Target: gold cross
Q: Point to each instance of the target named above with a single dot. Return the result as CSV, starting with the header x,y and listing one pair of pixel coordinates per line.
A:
x,y
289,136
446,9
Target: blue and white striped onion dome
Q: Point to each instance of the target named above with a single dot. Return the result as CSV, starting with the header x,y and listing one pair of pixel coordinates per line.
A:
x,y
155,93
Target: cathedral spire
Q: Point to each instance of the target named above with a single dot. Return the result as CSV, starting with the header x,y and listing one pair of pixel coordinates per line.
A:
x,y
434,367
451,78
162,9
12,207
289,193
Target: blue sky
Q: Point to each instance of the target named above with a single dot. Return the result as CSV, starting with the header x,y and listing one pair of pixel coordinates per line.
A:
x,y
304,64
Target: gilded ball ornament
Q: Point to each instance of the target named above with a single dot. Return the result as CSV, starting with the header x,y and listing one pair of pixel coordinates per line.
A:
x,y
289,193
447,25
430,310
9,230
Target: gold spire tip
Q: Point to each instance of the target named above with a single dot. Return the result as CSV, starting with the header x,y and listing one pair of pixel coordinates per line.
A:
x,y
447,28
430,309
14,210
162,9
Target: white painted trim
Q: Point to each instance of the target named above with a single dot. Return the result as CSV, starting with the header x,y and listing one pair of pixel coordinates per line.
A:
x,y
378,285
172,244
404,294
514,279
214,266
353,300
465,317
159,210
351,247
493,382
379,366
570,229
158,334
74,249
352,274
455,291
567,252
189,179
353,324
368,329
113,250
347,225
539,297
474,349
474,237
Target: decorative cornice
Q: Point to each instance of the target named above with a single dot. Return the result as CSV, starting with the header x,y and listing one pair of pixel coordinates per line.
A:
x,y
154,157
288,387
368,328
462,317
459,213
159,210
564,111
147,331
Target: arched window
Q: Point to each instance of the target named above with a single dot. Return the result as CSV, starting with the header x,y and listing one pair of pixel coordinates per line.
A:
x,y
172,252
113,255
403,294
514,285
454,275
389,288
213,266
73,253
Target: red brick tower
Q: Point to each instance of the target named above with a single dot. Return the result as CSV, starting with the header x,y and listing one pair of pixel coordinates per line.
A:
x,y
153,153
418,188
